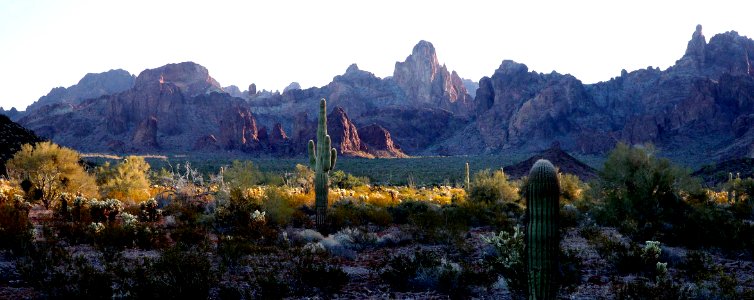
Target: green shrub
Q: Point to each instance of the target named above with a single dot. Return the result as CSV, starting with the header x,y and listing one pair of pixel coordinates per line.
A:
x,y
490,187
641,189
343,180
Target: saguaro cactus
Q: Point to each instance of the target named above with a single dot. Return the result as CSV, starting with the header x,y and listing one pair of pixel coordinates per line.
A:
x,y
322,159
542,236
468,180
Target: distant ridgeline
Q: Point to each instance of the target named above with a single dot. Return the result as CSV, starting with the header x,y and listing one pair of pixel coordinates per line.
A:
x,y
701,109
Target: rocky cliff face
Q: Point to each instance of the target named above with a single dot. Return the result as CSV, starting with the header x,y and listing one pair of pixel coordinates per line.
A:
x,y
379,142
343,134
91,86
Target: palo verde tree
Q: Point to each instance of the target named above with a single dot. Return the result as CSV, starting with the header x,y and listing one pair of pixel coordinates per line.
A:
x,y
126,181
50,170
322,159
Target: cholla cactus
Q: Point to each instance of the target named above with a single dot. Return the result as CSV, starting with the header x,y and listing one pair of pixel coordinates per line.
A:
x,y
651,251
129,221
96,227
149,211
257,216
322,159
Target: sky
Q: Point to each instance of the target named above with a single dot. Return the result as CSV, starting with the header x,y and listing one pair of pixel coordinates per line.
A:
x,y
46,44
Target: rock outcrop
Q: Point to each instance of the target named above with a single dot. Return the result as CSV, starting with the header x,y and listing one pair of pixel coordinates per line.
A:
x,y
343,134
145,135
12,137
379,143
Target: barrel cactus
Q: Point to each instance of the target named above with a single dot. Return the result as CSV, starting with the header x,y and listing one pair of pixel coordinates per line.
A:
x,y
322,159
542,236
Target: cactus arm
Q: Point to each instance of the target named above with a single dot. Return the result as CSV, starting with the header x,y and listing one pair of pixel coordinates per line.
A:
x,y
333,157
312,155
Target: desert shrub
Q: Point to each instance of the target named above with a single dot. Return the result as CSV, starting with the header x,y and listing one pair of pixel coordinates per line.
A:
x,y
48,170
492,187
426,270
625,258
313,274
304,178
350,213
15,227
572,189
270,285
644,288
569,216
570,266
231,249
52,269
278,205
697,266
343,180
177,274
127,180
241,176
641,189
411,272
710,225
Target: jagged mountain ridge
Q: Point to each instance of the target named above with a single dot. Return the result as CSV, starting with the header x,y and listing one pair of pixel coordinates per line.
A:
x,y
706,98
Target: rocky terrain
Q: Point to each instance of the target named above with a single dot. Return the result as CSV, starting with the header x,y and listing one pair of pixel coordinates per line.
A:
x,y
702,108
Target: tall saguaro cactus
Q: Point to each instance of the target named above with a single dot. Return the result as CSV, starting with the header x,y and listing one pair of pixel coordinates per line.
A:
x,y
321,159
542,236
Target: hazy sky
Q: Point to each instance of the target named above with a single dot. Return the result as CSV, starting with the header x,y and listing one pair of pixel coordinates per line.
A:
x,y
45,44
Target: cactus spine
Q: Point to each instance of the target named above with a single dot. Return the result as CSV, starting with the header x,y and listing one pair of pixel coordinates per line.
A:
x,y
468,180
321,159
542,236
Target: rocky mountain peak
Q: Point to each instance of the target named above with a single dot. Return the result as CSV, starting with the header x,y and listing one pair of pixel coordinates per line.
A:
x,y
511,68
293,86
190,78
92,85
426,82
695,48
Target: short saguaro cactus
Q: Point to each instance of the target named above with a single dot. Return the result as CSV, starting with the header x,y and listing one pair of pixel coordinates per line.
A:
x,y
542,236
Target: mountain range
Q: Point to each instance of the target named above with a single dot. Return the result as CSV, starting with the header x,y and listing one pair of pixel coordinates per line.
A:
x,y
701,107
